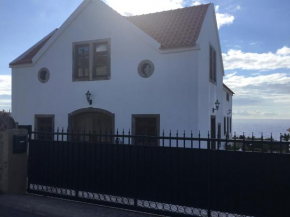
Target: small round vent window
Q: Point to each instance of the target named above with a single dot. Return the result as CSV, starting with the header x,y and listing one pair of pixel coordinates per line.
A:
x,y
146,68
43,75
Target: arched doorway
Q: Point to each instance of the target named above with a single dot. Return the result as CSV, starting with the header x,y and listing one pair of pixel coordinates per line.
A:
x,y
94,121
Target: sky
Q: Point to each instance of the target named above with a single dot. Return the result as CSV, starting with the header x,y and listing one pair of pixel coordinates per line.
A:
x,y
254,35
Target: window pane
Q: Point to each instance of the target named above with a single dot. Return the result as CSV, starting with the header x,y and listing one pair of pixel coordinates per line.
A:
x,y
101,48
146,126
101,60
212,64
44,126
101,70
80,72
82,60
92,60
83,50
87,65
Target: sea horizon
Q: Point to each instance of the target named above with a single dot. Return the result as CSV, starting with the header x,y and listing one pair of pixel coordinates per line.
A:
x,y
259,127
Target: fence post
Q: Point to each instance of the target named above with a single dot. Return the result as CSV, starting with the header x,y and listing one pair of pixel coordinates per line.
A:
x,y
244,142
281,147
209,177
262,139
136,173
78,163
235,143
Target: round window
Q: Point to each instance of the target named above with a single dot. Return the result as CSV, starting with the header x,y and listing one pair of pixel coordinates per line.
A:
x,y
146,68
43,75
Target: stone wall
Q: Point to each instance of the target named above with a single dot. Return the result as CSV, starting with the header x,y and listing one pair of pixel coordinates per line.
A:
x,y
13,167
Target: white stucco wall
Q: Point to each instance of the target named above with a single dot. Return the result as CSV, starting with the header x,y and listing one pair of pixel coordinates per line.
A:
x,y
208,92
227,105
172,91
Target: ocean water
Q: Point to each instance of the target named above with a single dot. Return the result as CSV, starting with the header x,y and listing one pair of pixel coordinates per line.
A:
x,y
258,126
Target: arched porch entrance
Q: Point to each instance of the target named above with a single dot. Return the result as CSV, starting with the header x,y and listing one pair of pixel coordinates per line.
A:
x,y
93,120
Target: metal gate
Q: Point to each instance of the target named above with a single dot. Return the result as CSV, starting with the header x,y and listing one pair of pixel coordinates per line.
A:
x,y
176,177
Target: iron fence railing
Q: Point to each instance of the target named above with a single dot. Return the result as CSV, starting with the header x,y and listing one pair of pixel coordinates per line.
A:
x,y
182,140
172,174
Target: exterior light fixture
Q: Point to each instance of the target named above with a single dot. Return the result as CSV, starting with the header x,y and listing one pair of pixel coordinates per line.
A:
x,y
217,105
88,94
229,112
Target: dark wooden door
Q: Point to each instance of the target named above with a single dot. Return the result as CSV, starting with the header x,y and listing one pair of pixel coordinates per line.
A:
x,y
213,131
93,123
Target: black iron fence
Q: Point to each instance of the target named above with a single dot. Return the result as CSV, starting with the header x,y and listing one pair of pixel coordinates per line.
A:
x,y
172,174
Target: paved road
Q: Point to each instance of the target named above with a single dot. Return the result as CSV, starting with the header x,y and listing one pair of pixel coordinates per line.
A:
x,y
39,206
11,212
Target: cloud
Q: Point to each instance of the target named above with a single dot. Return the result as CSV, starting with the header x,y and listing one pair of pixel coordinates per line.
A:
x,y
5,84
284,51
5,92
186,3
255,42
133,7
255,113
261,95
143,7
231,8
237,59
237,81
234,46
223,19
197,2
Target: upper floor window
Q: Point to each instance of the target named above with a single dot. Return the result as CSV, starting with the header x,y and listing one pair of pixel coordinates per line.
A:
x,y
212,64
91,60
228,96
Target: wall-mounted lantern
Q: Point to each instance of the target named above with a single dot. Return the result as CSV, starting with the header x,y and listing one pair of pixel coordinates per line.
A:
x,y
88,94
217,105
229,112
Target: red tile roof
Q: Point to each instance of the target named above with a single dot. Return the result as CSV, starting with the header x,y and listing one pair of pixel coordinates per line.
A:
x,y
27,58
172,29
175,28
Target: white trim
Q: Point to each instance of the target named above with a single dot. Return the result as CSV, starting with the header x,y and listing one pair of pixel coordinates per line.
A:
x,y
28,51
226,90
21,65
177,50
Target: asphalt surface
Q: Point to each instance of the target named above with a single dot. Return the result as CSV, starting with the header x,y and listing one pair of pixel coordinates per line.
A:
x,y
12,212
39,206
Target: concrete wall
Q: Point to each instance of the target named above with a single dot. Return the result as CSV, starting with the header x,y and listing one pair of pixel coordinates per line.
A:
x,y
13,167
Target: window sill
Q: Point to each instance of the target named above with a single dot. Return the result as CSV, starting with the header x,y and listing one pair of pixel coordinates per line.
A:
x,y
91,79
212,81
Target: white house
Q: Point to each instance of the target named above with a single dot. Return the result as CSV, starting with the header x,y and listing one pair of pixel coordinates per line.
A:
x,y
227,110
151,72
